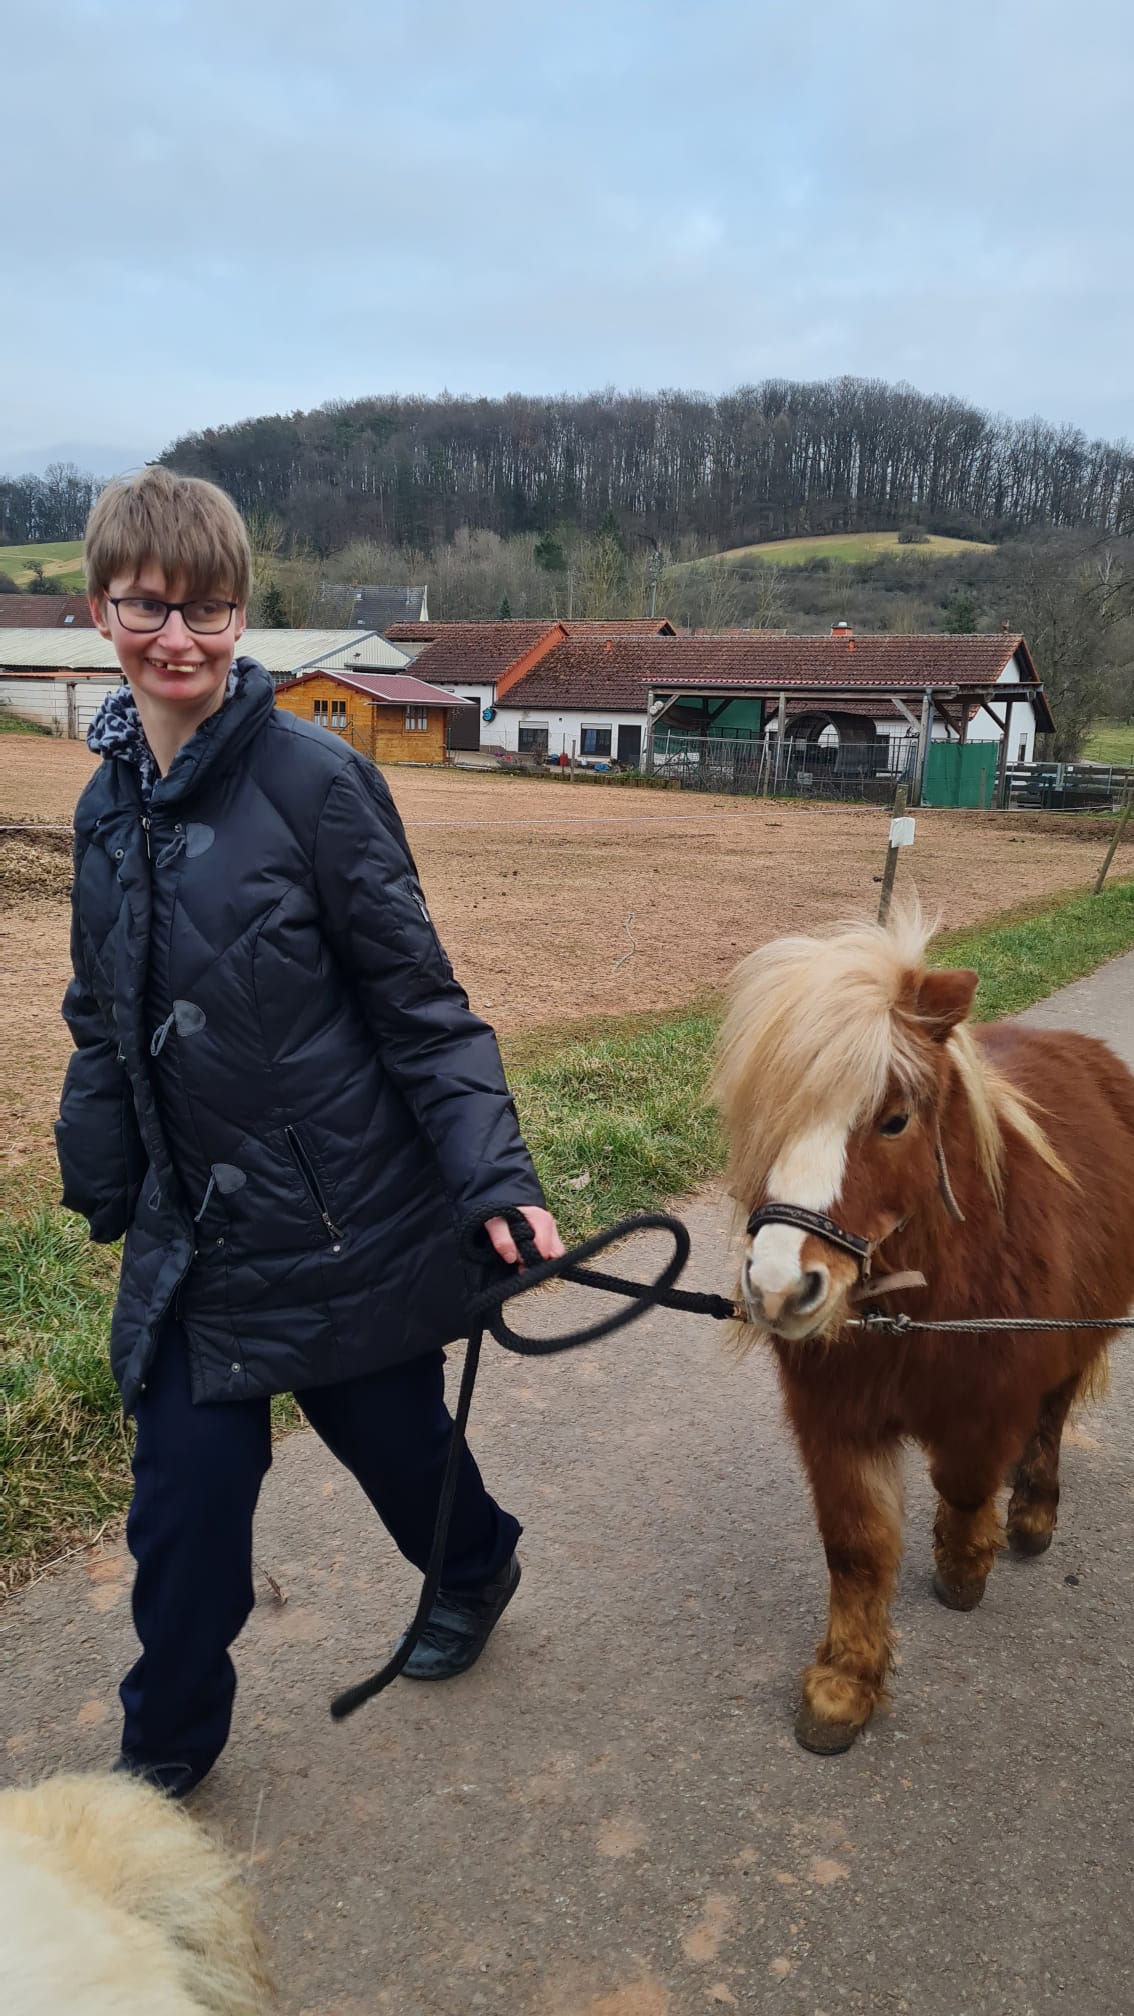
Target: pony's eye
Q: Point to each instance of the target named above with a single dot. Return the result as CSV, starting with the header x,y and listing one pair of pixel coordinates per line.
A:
x,y
896,1124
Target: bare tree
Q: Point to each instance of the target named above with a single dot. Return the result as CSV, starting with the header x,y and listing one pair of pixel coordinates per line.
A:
x,y
1073,598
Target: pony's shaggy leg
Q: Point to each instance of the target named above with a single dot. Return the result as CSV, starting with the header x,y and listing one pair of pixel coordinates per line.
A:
x,y
858,1501
967,1534
1034,1503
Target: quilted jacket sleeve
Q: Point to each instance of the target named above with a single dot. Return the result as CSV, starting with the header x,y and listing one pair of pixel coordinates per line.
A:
x,y
96,1136
443,1057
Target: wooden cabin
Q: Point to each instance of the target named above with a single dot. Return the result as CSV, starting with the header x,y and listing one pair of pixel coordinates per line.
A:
x,y
389,716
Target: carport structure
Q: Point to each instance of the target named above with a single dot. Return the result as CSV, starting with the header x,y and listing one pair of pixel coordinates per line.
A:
x,y
718,685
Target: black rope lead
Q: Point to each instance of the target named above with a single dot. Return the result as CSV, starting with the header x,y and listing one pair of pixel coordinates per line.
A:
x,y
486,1311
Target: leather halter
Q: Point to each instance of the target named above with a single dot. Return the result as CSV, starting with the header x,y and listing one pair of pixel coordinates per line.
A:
x,y
862,1250
809,1221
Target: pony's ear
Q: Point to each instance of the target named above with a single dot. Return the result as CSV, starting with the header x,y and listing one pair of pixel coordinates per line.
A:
x,y
944,999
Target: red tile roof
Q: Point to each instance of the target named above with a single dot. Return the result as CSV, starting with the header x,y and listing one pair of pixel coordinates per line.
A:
x,y
624,626
634,626
387,689
45,612
585,673
507,638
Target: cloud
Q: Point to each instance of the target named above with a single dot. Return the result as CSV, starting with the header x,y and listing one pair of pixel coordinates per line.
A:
x,y
248,207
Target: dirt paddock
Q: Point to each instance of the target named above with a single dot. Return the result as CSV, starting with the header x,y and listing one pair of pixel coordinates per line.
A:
x,y
555,902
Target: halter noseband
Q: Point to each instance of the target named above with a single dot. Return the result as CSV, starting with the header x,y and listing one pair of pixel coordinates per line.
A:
x,y
810,1221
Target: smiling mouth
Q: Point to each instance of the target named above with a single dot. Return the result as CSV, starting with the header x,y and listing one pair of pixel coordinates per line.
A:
x,y
174,665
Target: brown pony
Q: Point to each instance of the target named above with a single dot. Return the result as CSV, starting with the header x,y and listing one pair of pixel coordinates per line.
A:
x,y
999,1164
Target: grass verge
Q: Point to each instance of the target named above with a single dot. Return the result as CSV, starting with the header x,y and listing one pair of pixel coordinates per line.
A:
x,y
1110,742
616,1118
14,724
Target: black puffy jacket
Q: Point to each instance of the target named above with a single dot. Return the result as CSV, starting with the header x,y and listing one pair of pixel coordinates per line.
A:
x,y
279,1092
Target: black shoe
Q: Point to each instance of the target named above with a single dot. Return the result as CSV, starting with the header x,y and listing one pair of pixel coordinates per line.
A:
x,y
460,1625
175,1780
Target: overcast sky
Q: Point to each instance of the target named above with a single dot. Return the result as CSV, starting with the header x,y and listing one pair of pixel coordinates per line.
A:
x,y
215,208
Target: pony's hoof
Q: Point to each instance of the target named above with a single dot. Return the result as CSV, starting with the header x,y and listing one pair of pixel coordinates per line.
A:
x,y
1025,1540
823,1739
957,1595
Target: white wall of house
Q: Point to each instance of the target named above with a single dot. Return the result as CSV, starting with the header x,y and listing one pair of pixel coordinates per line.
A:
x,y
482,691
566,730
44,701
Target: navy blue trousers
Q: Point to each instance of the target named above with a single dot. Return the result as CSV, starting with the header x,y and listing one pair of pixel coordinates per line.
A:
x,y
197,1477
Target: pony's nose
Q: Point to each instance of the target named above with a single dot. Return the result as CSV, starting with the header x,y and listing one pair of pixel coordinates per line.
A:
x,y
800,1298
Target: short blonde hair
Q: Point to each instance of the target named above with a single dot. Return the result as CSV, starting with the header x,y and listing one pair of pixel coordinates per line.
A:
x,y
181,524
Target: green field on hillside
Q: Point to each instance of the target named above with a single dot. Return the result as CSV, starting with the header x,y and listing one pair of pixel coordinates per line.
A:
x,y
849,548
1110,742
62,561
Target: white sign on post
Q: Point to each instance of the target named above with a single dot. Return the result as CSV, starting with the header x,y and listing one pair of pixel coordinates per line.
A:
x,y
901,832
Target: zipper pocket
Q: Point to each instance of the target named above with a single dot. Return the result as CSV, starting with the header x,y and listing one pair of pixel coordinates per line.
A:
x,y
311,1181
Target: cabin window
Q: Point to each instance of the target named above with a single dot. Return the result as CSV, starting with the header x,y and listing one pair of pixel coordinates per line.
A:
x,y
321,707
338,714
417,720
594,741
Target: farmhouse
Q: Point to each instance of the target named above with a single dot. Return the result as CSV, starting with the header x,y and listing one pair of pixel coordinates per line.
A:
x,y
390,716
632,698
481,660
60,679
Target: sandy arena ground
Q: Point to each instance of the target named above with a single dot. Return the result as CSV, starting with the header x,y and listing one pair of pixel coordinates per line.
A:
x,y
539,890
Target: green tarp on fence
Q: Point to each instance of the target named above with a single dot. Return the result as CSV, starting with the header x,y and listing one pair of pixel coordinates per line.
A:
x,y
961,773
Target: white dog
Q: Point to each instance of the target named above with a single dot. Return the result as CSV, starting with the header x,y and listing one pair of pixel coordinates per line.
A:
x,y
113,1902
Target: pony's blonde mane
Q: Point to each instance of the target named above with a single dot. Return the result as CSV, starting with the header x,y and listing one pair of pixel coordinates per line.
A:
x,y
815,1031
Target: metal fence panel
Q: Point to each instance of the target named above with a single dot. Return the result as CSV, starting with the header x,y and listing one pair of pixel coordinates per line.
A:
x,y
861,771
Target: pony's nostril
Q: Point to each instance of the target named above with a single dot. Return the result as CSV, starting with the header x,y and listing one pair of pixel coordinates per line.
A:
x,y
811,1291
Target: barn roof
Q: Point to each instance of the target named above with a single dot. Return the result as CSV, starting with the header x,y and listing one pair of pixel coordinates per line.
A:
x,y
279,651
479,652
623,672
45,612
390,689
373,607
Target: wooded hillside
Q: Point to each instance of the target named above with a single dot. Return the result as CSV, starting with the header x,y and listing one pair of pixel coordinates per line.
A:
x,y
774,459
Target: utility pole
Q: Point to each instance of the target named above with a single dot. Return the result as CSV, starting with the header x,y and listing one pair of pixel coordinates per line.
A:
x,y
655,577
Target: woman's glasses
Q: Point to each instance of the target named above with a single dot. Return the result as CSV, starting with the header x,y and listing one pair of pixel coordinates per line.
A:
x,y
146,615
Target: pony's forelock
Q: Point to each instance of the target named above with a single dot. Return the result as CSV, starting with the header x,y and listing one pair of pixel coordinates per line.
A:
x,y
818,1028
812,1038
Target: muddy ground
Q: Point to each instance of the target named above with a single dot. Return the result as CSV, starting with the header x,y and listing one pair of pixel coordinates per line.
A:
x,y
540,890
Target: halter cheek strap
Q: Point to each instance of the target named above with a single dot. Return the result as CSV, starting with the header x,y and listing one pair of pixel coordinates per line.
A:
x,y
809,1221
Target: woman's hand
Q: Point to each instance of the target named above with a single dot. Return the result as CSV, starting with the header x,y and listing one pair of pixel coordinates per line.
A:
x,y
545,1232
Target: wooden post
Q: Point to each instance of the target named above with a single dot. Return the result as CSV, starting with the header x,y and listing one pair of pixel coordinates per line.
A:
x,y
1127,809
924,737
1001,792
781,732
892,853
72,711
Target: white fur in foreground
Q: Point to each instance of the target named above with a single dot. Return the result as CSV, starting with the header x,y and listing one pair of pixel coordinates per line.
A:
x,y
113,1902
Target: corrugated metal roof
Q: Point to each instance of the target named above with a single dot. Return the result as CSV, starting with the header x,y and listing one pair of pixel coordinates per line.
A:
x,y
277,650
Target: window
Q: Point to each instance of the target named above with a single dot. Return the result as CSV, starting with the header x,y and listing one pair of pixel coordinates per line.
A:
x,y
417,720
1022,753
533,742
338,714
320,707
594,741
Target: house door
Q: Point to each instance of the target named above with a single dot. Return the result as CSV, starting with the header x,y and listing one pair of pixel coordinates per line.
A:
x,y
630,746
464,724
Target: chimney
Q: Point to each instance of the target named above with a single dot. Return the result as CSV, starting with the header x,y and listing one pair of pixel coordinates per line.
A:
x,y
841,630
